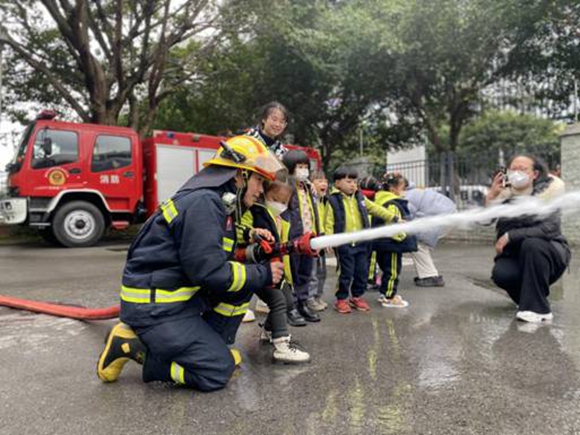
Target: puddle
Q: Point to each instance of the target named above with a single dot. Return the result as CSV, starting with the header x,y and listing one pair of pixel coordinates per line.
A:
x,y
33,332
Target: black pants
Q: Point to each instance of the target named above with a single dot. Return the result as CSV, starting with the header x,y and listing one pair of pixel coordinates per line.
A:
x,y
391,264
276,321
527,272
302,267
353,263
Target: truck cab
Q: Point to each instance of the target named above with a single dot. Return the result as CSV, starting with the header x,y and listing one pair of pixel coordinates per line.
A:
x,y
72,181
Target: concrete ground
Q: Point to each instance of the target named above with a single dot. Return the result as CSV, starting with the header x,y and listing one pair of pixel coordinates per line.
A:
x,y
454,362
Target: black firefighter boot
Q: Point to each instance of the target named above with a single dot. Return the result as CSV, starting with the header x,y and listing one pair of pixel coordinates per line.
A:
x,y
121,345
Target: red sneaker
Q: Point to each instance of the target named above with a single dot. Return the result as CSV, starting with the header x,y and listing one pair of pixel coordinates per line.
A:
x,y
359,304
342,306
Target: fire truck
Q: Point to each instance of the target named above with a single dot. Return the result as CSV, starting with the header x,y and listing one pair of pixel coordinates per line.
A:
x,y
73,181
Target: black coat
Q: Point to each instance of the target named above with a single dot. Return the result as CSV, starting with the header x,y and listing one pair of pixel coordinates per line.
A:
x,y
526,226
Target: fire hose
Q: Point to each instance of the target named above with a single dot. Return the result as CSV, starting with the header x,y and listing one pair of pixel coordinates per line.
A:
x,y
309,245
60,310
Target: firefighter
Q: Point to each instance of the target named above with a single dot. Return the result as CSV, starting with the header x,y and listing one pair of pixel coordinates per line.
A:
x,y
182,296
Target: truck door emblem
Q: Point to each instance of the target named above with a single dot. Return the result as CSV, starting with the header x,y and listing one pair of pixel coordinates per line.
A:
x,y
56,177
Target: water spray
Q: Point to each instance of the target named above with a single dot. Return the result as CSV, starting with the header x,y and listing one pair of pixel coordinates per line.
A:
x,y
525,205
531,206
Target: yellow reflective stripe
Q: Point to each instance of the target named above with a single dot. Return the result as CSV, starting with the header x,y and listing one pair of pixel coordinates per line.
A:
x,y
247,223
182,294
229,310
135,295
238,276
228,244
169,210
391,282
372,266
143,296
177,373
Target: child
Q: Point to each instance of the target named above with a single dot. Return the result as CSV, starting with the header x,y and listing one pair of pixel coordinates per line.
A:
x,y
347,211
369,186
272,216
318,276
390,249
274,119
304,219
423,203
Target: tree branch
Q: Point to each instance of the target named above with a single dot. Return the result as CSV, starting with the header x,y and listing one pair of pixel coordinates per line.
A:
x,y
54,81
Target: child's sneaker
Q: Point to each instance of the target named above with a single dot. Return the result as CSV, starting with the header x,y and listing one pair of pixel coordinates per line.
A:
x,y
359,304
342,306
314,305
286,352
395,302
322,303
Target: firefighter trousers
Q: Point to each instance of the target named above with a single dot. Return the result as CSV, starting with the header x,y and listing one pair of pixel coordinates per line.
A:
x,y
193,350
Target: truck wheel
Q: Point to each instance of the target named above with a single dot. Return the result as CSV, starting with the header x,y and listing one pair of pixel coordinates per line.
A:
x,y
77,224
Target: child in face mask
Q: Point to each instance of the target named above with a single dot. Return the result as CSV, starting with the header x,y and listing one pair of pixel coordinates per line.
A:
x,y
273,216
318,275
304,217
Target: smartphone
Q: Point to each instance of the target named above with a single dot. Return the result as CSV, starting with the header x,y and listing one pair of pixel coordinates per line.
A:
x,y
504,177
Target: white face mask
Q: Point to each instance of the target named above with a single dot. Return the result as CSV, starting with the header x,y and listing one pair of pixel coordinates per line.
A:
x,y
301,174
277,208
518,179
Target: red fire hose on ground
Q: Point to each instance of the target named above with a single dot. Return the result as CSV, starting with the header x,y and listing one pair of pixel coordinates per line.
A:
x,y
60,310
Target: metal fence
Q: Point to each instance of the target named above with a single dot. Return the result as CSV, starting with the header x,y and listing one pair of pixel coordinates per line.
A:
x,y
464,178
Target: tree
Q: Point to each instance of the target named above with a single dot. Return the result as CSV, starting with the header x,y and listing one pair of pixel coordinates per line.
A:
x,y
105,56
439,56
511,133
548,64
309,55
402,70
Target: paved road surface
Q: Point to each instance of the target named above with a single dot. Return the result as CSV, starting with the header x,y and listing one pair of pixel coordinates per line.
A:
x,y
454,362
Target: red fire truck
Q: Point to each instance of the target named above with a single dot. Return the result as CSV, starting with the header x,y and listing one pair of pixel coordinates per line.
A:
x,y
73,181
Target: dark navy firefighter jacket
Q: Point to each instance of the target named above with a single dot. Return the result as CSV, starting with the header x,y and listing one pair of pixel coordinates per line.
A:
x,y
181,262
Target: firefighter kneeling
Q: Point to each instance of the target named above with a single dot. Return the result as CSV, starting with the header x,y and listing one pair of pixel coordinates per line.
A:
x,y
183,295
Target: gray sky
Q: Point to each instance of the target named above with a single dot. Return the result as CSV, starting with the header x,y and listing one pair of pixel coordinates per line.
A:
x,y
6,152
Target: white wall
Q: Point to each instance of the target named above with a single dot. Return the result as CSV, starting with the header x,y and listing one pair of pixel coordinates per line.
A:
x,y
412,163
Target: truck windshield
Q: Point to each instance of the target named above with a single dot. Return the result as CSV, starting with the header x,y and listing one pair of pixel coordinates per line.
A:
x,y
18,158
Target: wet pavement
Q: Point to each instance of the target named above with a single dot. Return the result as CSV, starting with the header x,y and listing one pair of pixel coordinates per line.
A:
x,y
454,362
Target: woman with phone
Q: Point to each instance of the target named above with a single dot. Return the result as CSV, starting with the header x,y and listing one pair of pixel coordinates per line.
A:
x,y
531,251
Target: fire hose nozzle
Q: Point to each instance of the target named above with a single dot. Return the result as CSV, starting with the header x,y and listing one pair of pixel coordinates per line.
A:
x,y
264,251
302,245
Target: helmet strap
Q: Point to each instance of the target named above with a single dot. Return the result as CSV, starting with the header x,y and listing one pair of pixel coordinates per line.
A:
x,y
240,192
